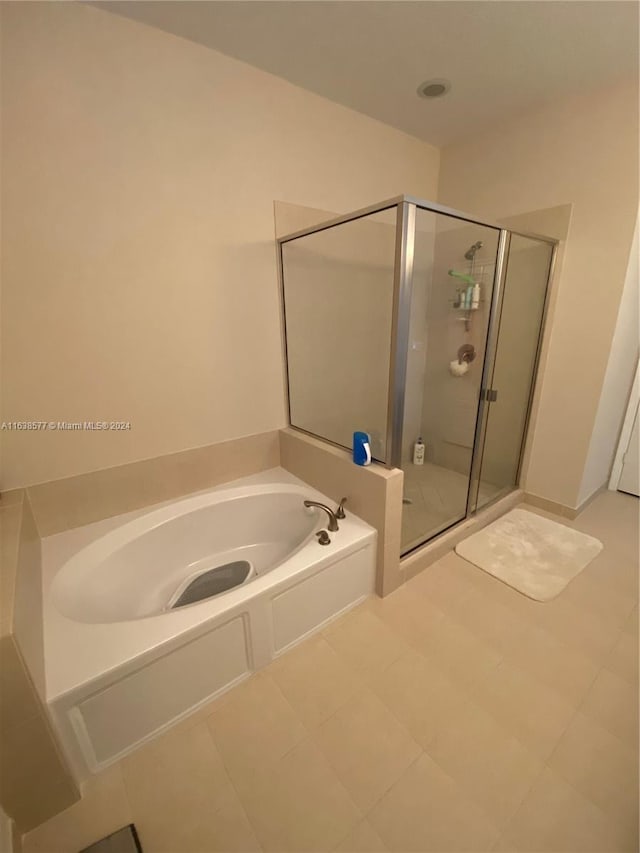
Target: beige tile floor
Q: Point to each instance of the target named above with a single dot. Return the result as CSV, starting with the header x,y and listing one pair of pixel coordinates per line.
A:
x,y
455,715
438,499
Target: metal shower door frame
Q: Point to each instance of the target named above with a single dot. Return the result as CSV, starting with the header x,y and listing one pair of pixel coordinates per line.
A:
x,y
407,207
403,289
397,367
491,352
400,320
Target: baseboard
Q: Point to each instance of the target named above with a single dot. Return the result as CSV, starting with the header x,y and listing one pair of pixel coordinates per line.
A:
x,y
585,503
562,510
550,506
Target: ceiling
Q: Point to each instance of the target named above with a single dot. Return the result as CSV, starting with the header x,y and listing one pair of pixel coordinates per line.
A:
x,y
502,58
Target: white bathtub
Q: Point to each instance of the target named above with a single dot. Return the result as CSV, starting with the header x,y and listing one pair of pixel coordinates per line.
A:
x,y
121,666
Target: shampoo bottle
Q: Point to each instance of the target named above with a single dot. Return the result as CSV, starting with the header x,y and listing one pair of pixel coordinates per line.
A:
x,y
468,296
475,297
418,452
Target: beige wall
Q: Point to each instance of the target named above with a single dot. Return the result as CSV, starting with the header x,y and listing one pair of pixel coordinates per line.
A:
x,y
139,275
582,151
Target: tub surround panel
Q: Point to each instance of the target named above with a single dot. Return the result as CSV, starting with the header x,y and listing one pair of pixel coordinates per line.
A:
x,y
374,494
76,501
298,611
114,720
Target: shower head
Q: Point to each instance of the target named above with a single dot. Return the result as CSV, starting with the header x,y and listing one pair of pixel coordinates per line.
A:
x,y
471,251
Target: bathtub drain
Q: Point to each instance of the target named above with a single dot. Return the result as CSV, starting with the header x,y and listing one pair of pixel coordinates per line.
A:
x,y
213,582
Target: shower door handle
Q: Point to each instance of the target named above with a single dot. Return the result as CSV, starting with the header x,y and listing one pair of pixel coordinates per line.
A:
x,y
489,394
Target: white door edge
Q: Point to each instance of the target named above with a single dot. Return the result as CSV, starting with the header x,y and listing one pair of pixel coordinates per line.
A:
x,y
625,433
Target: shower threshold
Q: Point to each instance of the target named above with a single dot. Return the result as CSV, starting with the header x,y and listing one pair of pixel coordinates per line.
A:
x,y
421,556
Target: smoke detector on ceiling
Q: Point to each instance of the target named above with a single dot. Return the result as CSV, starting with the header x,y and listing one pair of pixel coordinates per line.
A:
x,y
434,88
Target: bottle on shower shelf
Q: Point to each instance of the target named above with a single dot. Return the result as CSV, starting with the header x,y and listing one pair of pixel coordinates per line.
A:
x,y
475,296
468,297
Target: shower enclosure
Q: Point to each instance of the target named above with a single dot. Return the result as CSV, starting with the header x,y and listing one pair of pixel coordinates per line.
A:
x,y
408,321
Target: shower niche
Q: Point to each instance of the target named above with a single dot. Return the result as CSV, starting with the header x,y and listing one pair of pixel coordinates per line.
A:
x,y
409,321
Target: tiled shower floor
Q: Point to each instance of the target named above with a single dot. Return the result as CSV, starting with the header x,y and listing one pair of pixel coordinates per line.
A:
x,y
438,499
453,715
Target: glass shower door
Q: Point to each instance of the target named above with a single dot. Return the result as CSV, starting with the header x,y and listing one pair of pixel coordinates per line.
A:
x,y
454,263
508,392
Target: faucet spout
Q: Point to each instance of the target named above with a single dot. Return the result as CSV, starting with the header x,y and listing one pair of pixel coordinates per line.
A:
x,y
333,521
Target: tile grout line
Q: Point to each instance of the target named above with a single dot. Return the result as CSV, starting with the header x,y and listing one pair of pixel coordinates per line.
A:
x,y
424,751
544,763
473,693
307,738
362,687
232,784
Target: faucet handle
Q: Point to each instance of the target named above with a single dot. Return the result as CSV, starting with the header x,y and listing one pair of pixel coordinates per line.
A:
x,y
339,513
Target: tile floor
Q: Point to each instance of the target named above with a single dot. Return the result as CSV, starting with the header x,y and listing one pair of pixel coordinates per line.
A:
x,y
438,499
454,715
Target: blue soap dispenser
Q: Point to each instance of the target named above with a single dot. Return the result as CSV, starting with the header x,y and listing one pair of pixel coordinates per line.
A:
x,y
361,448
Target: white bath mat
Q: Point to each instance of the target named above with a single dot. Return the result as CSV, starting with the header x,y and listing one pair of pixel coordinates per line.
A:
x,y
534,555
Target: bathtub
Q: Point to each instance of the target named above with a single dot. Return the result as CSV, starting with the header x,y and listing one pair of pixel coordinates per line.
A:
x,y
125,658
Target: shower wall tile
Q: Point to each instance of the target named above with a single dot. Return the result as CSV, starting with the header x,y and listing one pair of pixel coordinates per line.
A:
x,y
75,501
374,494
